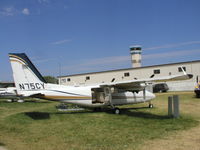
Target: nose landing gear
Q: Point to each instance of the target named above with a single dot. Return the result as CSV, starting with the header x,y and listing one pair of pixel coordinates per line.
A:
x,y
150,105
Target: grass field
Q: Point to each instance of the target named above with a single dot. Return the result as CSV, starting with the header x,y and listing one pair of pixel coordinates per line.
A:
x,y
39,126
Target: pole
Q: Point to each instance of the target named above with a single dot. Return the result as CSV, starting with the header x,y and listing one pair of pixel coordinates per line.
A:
x,y
176,106
170,112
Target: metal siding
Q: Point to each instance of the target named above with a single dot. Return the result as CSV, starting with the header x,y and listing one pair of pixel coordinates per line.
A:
x,y
143,72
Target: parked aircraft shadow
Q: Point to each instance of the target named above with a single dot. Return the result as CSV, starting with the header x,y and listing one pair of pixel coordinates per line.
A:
x,y
76,112
38,115
139,114
1,144
132,112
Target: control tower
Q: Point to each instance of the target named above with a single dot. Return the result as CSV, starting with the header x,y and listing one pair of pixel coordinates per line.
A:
x,y
136,51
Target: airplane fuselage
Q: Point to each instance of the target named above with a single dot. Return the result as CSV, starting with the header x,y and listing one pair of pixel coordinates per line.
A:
x,y
88,96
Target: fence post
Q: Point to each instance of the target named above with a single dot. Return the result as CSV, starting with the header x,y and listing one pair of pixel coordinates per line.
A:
x,y
176,106
170,113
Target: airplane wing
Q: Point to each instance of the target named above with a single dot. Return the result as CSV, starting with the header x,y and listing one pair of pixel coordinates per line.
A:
x,y
137,85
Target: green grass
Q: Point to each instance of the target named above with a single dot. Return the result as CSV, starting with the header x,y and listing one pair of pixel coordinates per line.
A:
x,y
39,126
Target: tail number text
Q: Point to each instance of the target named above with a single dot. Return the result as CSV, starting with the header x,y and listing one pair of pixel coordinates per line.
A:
x,y
31,86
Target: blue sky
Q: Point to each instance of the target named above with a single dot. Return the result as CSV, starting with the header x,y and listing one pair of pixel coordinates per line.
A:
x,y
94,35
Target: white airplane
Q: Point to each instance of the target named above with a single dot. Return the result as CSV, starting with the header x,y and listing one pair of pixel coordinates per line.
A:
x,y
10,93
7,90
30,83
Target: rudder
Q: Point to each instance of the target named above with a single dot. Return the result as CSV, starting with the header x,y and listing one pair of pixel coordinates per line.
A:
x,y
25,74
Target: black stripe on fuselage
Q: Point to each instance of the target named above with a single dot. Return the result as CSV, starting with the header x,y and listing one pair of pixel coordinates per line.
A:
x,y
58,92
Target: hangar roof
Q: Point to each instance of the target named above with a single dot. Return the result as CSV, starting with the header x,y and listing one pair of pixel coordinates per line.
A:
x,y
195,61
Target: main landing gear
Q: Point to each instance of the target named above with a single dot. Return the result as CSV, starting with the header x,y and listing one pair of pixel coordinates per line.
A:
x,y
108,98
150,105
116,110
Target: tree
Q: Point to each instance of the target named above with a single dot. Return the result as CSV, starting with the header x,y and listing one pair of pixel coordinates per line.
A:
x,y
51,79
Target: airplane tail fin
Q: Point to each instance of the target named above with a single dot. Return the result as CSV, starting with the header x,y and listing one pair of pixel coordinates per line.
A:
x,y
25,74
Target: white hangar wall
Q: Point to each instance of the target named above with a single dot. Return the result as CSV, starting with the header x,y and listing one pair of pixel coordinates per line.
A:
x,y
192,67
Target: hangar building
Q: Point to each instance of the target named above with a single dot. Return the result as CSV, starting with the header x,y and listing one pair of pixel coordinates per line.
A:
x,y
138,72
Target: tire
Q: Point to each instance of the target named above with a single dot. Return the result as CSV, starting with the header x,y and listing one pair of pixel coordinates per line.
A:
x,y
150,105
117,111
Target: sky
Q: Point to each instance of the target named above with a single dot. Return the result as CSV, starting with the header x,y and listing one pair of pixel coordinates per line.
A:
x,y
64,37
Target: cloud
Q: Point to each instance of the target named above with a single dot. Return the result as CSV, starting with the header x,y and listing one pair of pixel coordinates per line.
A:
x,y
95,64
39,60
117,61
107,60
12,11
25,11
61,42
171,54
43,60
172,45
8,11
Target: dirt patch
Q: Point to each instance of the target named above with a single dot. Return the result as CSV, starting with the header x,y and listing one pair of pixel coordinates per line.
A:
x,y
180,140
2,148
185,140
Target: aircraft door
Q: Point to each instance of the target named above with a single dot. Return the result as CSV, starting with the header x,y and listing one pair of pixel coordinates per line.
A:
x,y
98,95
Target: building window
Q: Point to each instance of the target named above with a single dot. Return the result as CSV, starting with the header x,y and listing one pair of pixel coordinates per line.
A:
x,y
88,78
136,48
113,80
157,71
63,80
68,79
180,69
136,61
126,74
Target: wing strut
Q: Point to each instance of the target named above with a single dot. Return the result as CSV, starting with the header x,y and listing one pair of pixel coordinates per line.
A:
x,y
144,94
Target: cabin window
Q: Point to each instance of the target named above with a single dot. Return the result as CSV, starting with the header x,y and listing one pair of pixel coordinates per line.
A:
x,y
88,78
126,74
180,69
63,80
157,71
68,79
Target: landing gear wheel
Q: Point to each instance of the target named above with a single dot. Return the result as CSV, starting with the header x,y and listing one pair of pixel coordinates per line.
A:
x,y
150,105
117,111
